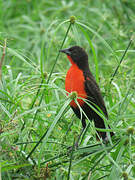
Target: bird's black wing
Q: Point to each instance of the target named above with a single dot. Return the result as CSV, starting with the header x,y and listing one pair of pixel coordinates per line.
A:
x,y
93,92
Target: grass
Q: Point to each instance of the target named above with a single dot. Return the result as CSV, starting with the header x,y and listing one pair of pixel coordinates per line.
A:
x,y
36,124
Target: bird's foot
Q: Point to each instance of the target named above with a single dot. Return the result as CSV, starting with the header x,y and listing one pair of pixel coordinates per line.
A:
x,y
73,148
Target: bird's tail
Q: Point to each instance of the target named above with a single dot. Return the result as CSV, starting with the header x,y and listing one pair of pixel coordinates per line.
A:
x,y
103,135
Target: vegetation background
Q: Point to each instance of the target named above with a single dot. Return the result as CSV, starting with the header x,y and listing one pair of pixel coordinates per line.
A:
x,y
36,124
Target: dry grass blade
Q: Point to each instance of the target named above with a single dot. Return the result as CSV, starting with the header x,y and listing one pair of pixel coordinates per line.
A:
x,y
3,56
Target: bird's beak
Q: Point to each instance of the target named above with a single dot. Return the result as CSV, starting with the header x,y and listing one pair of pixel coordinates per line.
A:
x,y
66,51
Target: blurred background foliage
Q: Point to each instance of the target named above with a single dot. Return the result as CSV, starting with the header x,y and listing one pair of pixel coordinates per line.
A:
x,y
34,31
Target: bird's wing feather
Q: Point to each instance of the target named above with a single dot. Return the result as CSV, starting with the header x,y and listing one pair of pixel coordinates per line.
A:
x,y
93,91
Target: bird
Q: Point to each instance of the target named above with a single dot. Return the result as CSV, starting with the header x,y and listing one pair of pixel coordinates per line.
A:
x,y
79,79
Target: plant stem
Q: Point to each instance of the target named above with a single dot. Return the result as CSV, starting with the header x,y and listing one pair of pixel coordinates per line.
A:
x,y
113,75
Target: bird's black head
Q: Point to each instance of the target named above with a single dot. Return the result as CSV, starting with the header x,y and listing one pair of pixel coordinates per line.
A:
x,y
78,56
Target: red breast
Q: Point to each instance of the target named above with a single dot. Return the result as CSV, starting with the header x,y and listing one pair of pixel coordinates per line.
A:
x,y
75,82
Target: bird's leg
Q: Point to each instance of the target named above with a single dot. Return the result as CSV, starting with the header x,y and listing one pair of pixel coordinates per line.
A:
x,y
78,138
84,126
76,143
